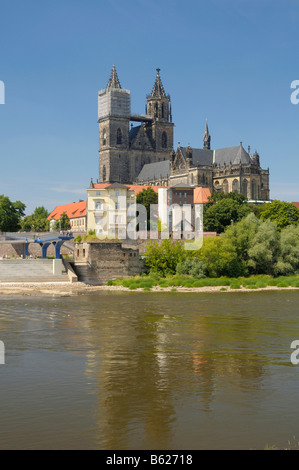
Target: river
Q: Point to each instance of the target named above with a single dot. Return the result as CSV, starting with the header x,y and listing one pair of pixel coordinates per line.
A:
x,y
131,371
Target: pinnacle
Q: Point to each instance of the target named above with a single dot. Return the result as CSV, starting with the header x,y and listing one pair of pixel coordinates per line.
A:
x,y
113,81
158,90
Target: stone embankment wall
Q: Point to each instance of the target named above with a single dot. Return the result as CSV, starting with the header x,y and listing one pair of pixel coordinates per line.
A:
x,y
96,262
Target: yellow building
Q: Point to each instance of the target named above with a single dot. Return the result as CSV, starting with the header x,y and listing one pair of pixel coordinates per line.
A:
x,y
110,208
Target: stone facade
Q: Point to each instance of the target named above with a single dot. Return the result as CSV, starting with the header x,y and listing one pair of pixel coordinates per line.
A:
x,y
124,150
224,170
144,153
96,262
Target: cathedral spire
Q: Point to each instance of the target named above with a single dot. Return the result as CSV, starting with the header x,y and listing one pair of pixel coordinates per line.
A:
x,y
158,90
207,138
113,81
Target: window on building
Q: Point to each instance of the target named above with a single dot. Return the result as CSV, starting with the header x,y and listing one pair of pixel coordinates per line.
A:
x,y
119,136
104,137
225,186
164,140
117,219
253,189
104,173
245,187
235,185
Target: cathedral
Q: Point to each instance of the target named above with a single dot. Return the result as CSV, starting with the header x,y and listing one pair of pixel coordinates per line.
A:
x,y
138,149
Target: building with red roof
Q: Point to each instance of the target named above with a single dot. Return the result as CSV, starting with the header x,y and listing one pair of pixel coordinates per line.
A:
x,y
76,212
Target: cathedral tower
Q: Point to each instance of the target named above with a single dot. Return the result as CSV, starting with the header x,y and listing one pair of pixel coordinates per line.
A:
x,y
159,108
114,108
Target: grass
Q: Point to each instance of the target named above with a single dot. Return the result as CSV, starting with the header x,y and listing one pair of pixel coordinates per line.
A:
x,y
147,282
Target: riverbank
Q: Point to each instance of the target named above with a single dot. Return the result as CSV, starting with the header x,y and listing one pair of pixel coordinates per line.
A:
x,y
67,289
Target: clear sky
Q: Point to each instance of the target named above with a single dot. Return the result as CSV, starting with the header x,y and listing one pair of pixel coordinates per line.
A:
x,y
228,61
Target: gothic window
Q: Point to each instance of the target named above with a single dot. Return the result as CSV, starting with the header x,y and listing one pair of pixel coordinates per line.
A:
x,y
235,185
253,189
104,137
225,186
245,187
119,137
104,173
162,110
164,140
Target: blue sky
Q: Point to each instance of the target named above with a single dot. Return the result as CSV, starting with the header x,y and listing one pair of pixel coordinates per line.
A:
x,y
228,61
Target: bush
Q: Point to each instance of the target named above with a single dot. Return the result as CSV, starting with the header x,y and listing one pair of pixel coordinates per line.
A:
x,y
193,267
162,258
220,258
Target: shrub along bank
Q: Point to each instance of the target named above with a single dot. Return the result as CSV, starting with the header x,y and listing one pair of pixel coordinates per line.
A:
x,y
147,282
251,253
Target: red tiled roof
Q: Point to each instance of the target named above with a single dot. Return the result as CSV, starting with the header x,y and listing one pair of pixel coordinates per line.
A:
x,y
201,195
73,210
132,187
296,204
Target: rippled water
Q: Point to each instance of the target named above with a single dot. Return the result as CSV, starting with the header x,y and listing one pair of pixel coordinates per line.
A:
x,y
149,371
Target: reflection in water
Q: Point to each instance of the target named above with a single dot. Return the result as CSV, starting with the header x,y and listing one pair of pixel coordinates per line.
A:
x,y
148,371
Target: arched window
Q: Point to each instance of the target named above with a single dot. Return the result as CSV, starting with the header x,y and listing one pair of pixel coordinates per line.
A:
x,y
119,136
164,140
253,189
104,137
162,110
104,173
245,187
225,186
236,185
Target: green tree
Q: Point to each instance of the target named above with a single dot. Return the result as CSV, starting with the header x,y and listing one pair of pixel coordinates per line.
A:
x,y
220,214
220,257
234,195
63,223
241,234
163,257
281,212
288,259
146,197
264,249
10,214
37,221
